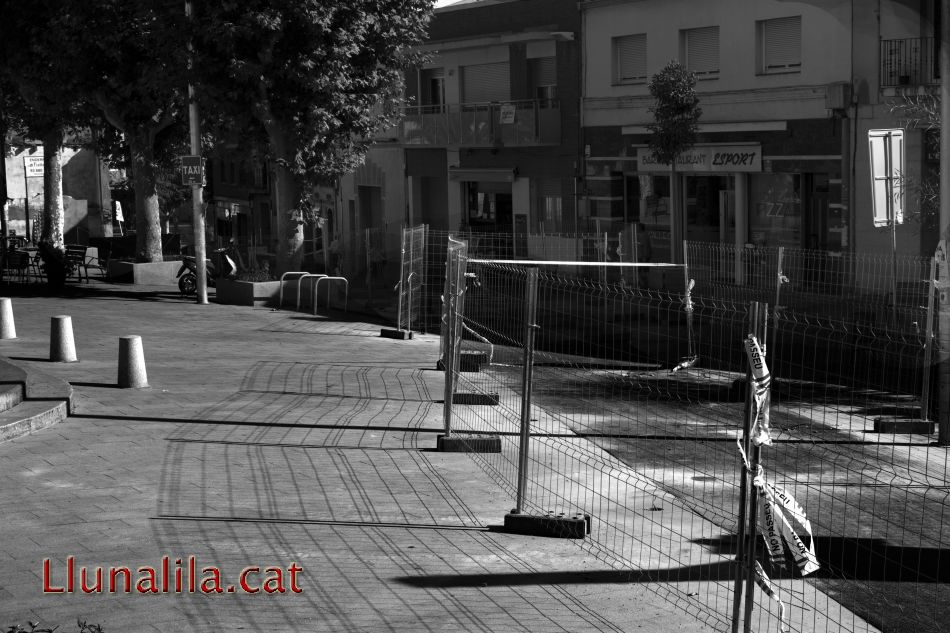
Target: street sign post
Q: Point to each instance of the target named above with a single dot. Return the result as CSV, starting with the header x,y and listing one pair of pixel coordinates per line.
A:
x,y
192,170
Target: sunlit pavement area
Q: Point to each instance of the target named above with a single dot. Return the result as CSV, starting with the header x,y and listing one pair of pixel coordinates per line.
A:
x,y
271,439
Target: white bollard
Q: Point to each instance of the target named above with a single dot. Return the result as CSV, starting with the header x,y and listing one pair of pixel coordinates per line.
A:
x,y
62,346
132,373
7,327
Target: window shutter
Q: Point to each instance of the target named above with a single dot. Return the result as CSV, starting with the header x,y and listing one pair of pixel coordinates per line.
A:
x,y
483,83
782,39
631,57
543,71
702,50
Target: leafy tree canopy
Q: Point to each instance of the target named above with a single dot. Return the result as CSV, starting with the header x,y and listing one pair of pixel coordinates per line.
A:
x,y
319,76
676,112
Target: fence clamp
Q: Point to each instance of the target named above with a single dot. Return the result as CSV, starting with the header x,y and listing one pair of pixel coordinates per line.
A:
x,y
474,278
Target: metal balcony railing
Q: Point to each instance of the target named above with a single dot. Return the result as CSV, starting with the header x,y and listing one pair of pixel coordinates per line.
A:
x,y
496,124
909,62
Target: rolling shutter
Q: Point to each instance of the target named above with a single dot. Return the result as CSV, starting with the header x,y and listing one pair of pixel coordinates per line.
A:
x,y
782,43
702,50
483,83
630,58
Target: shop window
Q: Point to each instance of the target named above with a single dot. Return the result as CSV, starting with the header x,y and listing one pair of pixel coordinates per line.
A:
x,y
700,51
548,206
489,206
780,45
775,217
630,59
709,217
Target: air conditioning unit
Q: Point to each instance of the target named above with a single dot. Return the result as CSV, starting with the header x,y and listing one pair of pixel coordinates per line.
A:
x,y
838,96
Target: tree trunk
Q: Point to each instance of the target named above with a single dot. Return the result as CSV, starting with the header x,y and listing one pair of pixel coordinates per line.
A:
x,y
148,227
3,198
287,190
54,213
677,218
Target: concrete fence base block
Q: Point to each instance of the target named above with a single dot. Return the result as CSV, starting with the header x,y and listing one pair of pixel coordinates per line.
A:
x,y
472,361
132,373
549,525
400,335
903,425
7,327
490,399
62,345
468,444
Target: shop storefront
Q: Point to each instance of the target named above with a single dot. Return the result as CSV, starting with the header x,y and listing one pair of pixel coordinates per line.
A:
x,y
731,195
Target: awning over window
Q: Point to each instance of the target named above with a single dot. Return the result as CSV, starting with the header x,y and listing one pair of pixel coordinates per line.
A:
x,y
482,175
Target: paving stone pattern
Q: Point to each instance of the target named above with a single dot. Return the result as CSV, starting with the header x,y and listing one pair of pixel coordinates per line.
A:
x,y
272,438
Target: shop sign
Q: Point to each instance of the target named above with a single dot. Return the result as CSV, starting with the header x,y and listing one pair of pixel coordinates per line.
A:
x,y
707,158
33,165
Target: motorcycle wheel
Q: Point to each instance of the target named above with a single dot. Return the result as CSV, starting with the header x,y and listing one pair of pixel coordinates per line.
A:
x,y
188,284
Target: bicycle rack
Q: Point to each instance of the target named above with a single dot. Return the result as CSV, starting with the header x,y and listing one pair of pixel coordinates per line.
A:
x,y
302,279
316,290
299,273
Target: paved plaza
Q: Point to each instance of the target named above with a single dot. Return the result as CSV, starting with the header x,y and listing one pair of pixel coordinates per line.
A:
x,y
272,441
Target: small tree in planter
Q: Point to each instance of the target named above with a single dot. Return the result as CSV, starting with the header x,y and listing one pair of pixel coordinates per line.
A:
x,y
676,114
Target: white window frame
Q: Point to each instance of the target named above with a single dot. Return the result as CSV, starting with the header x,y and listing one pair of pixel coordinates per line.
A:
x,y
764,63
685,36
616,50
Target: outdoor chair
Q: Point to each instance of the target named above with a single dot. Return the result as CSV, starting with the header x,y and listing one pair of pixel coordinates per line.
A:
x,y
16,266
94,261
76,260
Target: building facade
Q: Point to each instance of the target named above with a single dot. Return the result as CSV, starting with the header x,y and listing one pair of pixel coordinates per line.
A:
x,y
788,92
490,141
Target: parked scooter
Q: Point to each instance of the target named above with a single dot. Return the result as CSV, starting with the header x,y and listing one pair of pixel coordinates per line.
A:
x,y
188,273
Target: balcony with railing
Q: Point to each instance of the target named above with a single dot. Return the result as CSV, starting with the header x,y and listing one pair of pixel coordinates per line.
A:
x,y
508,124
909,62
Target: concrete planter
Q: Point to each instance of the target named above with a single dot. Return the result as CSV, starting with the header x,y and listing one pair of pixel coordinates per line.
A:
x,y
150,274
247,293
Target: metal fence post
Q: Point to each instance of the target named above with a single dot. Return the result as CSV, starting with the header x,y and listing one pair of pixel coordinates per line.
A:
x,y
530,328
748,502
928,342
402,274
448,344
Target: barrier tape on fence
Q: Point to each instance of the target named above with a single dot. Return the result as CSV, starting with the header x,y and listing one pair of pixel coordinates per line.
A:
x,y
762,580
762,391
780,519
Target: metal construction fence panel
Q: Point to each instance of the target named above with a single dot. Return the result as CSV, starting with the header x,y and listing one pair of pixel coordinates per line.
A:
x,y
880,289
411,275
640,400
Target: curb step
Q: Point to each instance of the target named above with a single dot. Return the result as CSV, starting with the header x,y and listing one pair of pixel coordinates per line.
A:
x,y
30,416
11,394
30,400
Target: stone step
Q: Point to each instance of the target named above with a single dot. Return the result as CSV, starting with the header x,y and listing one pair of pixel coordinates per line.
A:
x,y
29,416
30,399
11,394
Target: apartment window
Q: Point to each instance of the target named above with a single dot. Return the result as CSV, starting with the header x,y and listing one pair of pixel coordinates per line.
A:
x,y
780,45
701,51
542,76
432,89
630,59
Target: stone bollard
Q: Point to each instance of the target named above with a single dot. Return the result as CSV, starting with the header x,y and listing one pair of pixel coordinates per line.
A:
x,y
62,347
7,327
132,363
